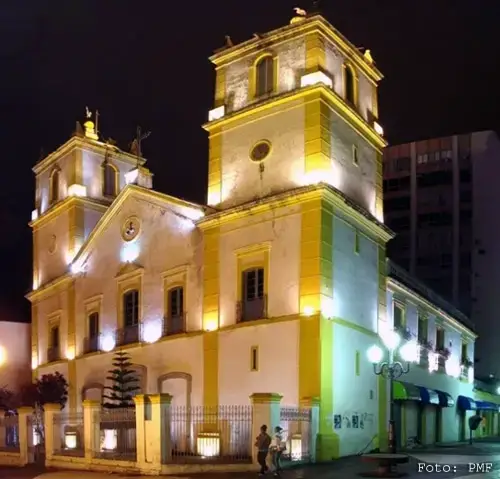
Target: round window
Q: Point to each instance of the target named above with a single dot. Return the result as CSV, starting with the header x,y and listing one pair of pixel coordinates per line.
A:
x,y
260,151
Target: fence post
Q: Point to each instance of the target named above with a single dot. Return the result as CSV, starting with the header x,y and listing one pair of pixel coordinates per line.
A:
x,y
158,450
25,435
3,429
91,433
52,434
265,411
310,429
140,431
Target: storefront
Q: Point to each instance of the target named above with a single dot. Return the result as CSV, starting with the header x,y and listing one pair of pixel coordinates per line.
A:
x,y
487,410
418,413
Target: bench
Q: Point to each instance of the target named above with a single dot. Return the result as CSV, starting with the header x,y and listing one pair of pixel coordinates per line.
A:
x,y
387,464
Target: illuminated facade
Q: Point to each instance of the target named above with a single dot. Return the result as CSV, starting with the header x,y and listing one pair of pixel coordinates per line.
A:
x,y
14,353
259,291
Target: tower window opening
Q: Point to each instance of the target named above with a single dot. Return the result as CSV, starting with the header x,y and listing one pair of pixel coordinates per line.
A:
x,y
109,180
349,86
54,187
265,76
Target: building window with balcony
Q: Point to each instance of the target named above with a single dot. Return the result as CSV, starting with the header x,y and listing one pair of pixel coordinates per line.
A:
x,y
440,349
398,316
253,304
110,175
53,353
130,332
92,340
174,321
349,85
54,187
422,329
264,76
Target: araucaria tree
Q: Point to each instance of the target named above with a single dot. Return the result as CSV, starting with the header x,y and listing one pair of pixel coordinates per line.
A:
x,y
124,383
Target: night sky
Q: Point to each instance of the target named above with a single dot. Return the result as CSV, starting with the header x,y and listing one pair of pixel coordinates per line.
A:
x,y
145,63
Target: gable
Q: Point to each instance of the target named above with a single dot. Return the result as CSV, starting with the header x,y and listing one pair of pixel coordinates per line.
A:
x,y
143,207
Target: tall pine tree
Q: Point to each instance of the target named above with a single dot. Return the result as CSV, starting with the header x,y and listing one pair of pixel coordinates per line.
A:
x,y
124,383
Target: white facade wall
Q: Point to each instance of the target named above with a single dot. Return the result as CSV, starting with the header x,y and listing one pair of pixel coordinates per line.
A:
x,y
242,179
354,272
278,358
355,392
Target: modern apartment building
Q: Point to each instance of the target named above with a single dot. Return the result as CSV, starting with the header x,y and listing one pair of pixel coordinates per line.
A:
x,y
439,197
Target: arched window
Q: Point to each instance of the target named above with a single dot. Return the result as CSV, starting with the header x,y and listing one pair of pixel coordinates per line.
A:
x,y
109,180
131,308
264,76
349,85
54,187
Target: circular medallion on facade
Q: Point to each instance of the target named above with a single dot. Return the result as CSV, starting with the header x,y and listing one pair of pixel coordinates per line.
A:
x,y
260,151
131,228
52,244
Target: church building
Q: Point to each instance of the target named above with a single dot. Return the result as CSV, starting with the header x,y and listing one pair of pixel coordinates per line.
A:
x,y
278,284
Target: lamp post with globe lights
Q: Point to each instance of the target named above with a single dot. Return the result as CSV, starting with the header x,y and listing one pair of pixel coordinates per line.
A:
x,y
392,369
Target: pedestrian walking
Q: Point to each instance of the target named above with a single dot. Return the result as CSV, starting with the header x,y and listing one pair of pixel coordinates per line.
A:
x,y
262,443
278,445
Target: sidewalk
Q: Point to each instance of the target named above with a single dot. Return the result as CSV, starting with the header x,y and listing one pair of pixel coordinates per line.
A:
x,y
458,456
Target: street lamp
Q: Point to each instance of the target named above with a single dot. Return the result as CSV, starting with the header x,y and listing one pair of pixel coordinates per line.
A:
x,y
392,369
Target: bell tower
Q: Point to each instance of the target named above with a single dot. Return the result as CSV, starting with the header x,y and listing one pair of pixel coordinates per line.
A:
x,y
293,107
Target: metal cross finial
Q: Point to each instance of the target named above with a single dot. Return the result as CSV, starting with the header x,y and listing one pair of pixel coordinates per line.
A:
x,y
137,143
88,113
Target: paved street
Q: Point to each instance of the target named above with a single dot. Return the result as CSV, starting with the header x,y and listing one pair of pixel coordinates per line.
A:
x,y
458,461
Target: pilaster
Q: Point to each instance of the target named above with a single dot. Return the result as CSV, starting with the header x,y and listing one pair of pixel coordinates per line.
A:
x,y
91,430
52,434
25,435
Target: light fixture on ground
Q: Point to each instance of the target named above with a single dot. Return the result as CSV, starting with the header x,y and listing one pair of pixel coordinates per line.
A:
x,y
392,369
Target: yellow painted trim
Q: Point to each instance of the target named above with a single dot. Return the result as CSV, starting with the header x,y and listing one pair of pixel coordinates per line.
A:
x,y
315,52
73,386
268,108
92,146
254,358
296,197
211,279
220,87
315,24
374,101
395,287
214,194
71,344
211,369
265,398
36,268
57,285
317,135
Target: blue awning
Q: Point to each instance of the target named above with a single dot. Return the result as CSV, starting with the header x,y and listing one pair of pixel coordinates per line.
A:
x,y
445,399
466,404
429,396
487,406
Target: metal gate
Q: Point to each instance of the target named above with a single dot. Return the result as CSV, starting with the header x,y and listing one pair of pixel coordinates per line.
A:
x,y
36,437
